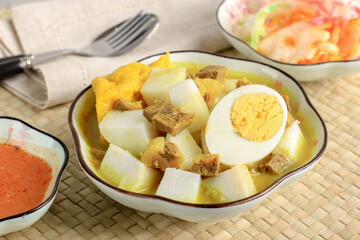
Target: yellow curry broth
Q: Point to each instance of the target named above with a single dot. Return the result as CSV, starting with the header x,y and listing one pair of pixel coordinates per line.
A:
x,y
88,120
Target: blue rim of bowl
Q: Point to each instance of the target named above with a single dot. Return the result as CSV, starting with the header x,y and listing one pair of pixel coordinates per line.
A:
x,y
265,191
58,177
267,58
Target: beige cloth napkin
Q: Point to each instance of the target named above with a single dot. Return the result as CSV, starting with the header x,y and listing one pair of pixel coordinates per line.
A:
x,y
51,25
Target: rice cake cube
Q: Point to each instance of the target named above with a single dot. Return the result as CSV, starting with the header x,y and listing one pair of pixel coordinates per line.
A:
x,y
290,141
127,172
186,96
156,86
179,185
187,146
129,130
233,184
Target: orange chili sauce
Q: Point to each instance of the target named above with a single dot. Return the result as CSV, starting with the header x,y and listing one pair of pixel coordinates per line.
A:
x,y
24,180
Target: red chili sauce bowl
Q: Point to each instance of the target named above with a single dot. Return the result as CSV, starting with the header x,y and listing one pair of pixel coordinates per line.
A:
x,y
31,165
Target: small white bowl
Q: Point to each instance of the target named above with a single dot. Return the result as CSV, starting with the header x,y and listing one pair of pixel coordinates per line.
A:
x,y
190,211
16,132
301,72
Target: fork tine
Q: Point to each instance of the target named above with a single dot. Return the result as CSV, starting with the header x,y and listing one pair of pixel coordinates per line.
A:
x,y
138,39
129,29
120,39
137,31
124,26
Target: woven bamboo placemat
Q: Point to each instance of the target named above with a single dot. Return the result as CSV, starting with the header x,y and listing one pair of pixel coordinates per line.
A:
x,y
324,204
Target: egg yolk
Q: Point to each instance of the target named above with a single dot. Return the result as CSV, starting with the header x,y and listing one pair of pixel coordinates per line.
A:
x,y
256,116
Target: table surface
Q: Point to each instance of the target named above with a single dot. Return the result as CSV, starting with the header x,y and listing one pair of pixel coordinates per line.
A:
x,y
323,204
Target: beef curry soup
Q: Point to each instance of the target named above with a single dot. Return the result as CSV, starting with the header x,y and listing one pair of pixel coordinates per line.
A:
x,y
189,162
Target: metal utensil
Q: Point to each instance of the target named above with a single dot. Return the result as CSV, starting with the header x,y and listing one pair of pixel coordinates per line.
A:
x,y
112,42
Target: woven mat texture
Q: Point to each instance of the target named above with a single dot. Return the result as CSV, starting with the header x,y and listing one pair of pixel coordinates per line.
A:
x,y
324,204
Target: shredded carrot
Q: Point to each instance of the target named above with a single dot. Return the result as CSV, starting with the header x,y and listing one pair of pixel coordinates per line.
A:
x,y
262,51
334,36
299,15
326,26
289,41
349,39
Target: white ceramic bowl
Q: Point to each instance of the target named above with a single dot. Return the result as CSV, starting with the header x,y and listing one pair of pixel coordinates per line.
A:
x,y
189,211
302,72
41,144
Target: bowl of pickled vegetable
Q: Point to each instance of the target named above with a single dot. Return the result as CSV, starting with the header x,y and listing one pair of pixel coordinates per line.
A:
x,y
311,40
194,135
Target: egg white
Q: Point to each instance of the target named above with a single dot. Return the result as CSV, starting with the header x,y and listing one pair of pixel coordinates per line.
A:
x,y
221,137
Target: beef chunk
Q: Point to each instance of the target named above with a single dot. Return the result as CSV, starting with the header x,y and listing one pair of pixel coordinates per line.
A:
x,y
290,118
172,123
122,104
170,156
242,82
206,165
162,107
162,154
287,101
167,118
97,153
275,163
189,76
207,98
214,72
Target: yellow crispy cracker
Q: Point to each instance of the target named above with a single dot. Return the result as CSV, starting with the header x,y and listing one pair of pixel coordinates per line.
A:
x,y
162,62
134,74
124,82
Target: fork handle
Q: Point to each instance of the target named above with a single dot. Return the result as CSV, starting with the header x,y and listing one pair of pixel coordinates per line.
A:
x,y
16,64
12,65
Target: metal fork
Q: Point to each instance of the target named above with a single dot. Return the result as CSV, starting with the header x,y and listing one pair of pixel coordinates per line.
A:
x,y
112,42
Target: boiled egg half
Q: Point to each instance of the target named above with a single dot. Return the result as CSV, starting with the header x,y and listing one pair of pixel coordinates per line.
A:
x,y
246,125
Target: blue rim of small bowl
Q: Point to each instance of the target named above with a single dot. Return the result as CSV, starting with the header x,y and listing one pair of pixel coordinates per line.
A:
x,y
270,59
58,177
268,189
